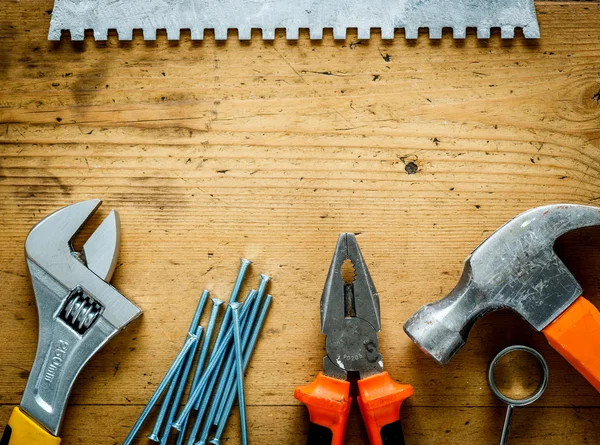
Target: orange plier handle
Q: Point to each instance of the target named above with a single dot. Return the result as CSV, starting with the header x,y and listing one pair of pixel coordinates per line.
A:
x,y
328,402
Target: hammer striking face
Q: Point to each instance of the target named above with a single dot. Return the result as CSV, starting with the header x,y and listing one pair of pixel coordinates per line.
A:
x,y
516,268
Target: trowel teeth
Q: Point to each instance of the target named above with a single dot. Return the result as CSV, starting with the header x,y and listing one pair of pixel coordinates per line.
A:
x,y
125,34
77,34
174,34
387,32
245,33
507,32
365,33
316,33
411,32
268,34
483,33
102,34
459,33
220,33
292,33
149,33
339,33
435,33
197,33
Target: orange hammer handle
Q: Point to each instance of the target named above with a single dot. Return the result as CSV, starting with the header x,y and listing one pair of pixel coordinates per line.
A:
x,y
379,401
328,402
576,335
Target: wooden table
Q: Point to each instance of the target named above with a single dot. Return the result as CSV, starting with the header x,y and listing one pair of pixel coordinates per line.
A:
x,y
212,151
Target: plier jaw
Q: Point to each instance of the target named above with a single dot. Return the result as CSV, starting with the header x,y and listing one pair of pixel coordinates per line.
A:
x,y
350,315
350,319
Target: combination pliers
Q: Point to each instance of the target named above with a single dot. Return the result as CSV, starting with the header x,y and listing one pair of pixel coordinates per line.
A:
x,y
350,319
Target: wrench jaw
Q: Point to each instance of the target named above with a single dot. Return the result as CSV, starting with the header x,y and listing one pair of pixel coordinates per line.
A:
x,y
78,310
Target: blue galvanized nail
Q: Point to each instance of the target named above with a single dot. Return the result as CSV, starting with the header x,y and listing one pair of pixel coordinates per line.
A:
x,y
244,263
164,407
229,362
202,409
227,384
189,342
228,370
247,355
216,358
189,361
225,323
181,435
264,279
239,361
167,399
206,342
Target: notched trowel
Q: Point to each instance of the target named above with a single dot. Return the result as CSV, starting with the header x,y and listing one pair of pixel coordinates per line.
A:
x,y
124,16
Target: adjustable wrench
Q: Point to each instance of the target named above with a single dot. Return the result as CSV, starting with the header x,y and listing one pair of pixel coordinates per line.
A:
x,y
78,313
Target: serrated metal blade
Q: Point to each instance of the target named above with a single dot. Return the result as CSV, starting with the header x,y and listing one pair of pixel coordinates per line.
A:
x,y
76,16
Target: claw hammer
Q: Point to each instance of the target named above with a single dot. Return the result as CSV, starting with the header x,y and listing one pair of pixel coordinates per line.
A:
x,y
517,268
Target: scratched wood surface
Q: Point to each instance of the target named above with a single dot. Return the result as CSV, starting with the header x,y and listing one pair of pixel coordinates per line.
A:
x,y
212,151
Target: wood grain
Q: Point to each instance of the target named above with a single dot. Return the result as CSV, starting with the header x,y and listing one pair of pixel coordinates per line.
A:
x,y
212,151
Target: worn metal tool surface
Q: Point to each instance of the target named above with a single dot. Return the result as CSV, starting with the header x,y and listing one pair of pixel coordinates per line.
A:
x,y
78,313
350,319
292,15
516,268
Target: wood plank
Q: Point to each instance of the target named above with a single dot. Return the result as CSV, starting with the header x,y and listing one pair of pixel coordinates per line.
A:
x,y
421,425
212,151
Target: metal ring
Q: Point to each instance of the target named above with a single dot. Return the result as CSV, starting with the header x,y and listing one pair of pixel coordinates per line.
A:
x,y
533,397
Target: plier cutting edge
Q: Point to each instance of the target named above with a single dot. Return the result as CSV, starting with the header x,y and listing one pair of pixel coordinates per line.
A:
x,y
350,319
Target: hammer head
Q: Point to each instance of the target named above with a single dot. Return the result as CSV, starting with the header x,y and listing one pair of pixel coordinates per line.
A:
x,y
515,268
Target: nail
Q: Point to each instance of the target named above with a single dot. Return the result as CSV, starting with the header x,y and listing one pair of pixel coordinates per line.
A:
x,y
164,407
246,331
262,285
189,342
216,358
167,399
202,408
237,338
216,400
247,355
181,435
228,373
206,342
224,383
189,361
244,264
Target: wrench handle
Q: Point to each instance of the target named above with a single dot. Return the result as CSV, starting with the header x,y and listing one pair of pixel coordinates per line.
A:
x,y
575,334
379,401
23,430
328,402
